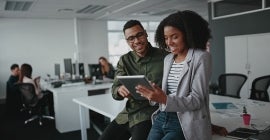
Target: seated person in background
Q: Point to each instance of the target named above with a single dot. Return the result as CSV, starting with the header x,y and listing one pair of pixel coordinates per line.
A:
x,y
26,77
107,69
219,130
15,72
12,98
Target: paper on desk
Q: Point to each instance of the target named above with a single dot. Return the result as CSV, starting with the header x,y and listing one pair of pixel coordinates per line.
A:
x,y
256,103
226,109
224,105
228,113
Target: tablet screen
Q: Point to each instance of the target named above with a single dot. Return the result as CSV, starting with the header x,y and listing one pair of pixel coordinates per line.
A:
x,y
130,82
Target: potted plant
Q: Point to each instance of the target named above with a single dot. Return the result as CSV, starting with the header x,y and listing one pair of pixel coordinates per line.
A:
x,y
244,110
213,88
246,116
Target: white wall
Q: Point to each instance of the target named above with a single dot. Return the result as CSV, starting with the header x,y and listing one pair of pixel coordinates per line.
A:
x,y
93,41
43,42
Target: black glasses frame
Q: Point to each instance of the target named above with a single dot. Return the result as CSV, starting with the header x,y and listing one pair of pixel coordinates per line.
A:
x,y
138,36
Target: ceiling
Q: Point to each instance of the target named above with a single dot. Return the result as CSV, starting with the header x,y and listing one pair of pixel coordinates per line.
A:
x,y
154,10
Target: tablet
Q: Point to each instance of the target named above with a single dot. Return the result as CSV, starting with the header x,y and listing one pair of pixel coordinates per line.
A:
x,y
130,82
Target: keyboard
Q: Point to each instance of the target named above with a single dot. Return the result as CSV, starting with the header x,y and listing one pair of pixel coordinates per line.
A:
x,y
72,84
67,83
74,81
265,135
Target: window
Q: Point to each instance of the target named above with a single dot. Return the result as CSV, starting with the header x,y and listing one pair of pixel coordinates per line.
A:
x,y
117,43
267,3
228,8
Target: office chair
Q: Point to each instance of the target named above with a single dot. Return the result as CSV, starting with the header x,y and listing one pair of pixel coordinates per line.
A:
x,y
259,88
32,103
230,84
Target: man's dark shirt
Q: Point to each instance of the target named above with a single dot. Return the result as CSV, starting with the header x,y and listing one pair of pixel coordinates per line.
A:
x,y
13,80
12,96
151,65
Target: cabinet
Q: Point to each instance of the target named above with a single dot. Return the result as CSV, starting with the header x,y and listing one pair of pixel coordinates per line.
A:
x,y
248,54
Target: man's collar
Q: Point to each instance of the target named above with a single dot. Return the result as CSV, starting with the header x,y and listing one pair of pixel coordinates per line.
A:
x,y
147,55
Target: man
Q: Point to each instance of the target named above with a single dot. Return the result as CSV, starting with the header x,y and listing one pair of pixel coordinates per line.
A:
x,y
135,119
12,96
15,71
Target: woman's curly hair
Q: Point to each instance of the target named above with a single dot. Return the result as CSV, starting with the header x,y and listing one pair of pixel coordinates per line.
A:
x,y
194,28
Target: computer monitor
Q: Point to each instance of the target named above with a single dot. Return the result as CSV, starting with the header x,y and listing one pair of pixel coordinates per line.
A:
x,y
94,70
57,70
68,65
81,69
74,69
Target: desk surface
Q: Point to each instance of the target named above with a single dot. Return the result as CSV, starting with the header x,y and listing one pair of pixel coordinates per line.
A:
x,y
229,118
103,104
66,111
80,86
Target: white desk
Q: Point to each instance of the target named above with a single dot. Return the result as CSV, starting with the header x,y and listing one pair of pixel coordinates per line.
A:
x,y
66,112
230,119
103,104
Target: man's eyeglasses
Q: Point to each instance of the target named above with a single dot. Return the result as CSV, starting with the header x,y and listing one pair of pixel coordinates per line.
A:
x,y
131,39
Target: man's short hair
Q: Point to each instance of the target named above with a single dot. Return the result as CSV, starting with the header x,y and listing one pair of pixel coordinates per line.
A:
x,y
132,23
13,66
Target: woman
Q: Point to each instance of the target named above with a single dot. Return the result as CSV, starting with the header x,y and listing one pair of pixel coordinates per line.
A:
x,y
26,77
107,69
183,112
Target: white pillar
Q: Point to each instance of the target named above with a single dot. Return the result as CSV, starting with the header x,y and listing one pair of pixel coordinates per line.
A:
x,y
76,42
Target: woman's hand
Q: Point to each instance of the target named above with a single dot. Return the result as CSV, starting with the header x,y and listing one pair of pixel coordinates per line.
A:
x,y
219,130
155,94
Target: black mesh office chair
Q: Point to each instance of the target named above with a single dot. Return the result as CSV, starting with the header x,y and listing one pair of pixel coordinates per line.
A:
x,y
230,84
32,103
259,88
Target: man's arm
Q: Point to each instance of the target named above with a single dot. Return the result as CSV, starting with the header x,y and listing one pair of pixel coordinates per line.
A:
x,y
116,84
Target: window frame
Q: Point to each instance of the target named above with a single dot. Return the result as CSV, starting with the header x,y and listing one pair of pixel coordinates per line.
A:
x,y
214,17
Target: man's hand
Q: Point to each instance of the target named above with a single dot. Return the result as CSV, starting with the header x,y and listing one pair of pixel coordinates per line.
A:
x,y
123,91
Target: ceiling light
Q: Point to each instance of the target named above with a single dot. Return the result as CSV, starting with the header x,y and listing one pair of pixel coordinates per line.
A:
x,y
91,9
65,10
18,5
164,12
121,9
